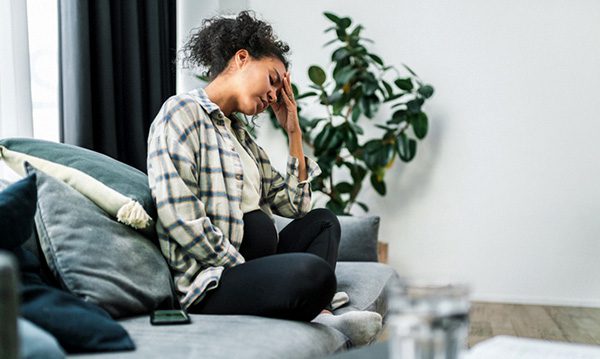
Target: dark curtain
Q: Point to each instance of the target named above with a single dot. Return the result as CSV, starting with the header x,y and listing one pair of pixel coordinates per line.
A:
x,y
116,70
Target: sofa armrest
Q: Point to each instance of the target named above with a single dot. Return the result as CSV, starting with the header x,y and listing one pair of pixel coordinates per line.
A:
x,y
9,306
359,237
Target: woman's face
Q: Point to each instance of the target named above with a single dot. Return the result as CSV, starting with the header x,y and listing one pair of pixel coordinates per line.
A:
x,y
259,82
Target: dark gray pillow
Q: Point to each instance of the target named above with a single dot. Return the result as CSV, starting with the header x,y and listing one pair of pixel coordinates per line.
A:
x,y
95,257
359,237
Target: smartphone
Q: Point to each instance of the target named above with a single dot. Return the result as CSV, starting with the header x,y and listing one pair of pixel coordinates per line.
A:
x,y
172,316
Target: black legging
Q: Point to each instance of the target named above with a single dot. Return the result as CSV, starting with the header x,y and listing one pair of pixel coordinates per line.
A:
x,y
290,278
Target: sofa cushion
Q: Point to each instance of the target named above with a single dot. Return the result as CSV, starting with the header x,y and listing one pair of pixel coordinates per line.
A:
x,y
231,336
359,237
36,343
255,337
95,257
119,189
366,285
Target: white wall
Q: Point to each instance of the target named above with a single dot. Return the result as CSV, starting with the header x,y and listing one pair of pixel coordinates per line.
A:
x,y
504,192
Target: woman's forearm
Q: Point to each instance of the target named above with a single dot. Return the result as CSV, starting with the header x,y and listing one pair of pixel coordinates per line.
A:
x,y
297,151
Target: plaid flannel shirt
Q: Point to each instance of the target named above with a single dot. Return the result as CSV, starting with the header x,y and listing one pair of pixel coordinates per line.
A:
x,y
196,178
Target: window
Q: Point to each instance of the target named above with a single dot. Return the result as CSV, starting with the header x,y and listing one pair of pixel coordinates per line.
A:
x,y
42,18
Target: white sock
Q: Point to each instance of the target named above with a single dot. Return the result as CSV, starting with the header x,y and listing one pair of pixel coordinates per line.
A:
x,y
339,300
359,326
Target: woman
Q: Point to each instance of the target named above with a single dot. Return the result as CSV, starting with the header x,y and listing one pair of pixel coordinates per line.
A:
x,y
216,192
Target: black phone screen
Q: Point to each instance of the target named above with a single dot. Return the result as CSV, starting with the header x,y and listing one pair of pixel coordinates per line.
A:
x,y
174,316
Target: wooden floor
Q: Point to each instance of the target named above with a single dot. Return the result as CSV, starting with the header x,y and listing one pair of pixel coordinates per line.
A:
x,y
568,324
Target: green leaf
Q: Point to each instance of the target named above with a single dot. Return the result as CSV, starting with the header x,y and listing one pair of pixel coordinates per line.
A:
x,y
426,91
323,139
306,94
336,96
363,206
366,106
332,17
356,31
387,154
344,75
378,185
336,139
411,71
404,84
420,125
351,139
330,42
310,123
399,117
357,172
406,147
383,127
355,112
357,129
344,187
393,97
414,106
359,51
388,88
376,58
377,154
340,54
203,78
344,22
370,87
316,75
370,150
335,207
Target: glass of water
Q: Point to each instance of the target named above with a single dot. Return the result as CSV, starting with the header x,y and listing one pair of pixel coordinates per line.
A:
x,y
428,321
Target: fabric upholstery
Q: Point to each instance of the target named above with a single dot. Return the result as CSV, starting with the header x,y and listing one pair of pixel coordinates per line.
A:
x,y
366,285
112,185
359,237
17,207
245,337
77,325
36,343
95,257
31,243
256,337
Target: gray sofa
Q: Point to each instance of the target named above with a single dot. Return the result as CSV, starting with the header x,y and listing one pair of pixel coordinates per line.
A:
x,y
236,336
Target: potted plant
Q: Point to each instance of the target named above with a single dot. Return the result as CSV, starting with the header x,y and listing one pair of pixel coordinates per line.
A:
x,y
353,93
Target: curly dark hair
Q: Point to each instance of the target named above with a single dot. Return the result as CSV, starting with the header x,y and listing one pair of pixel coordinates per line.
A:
x,y
212,45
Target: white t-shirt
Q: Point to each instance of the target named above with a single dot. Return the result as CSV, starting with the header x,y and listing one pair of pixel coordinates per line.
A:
x,y
251,184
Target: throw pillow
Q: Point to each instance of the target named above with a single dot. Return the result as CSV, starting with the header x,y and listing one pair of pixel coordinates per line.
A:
x,y
117,188
359,237
17,207
78,326
31,244
95,257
